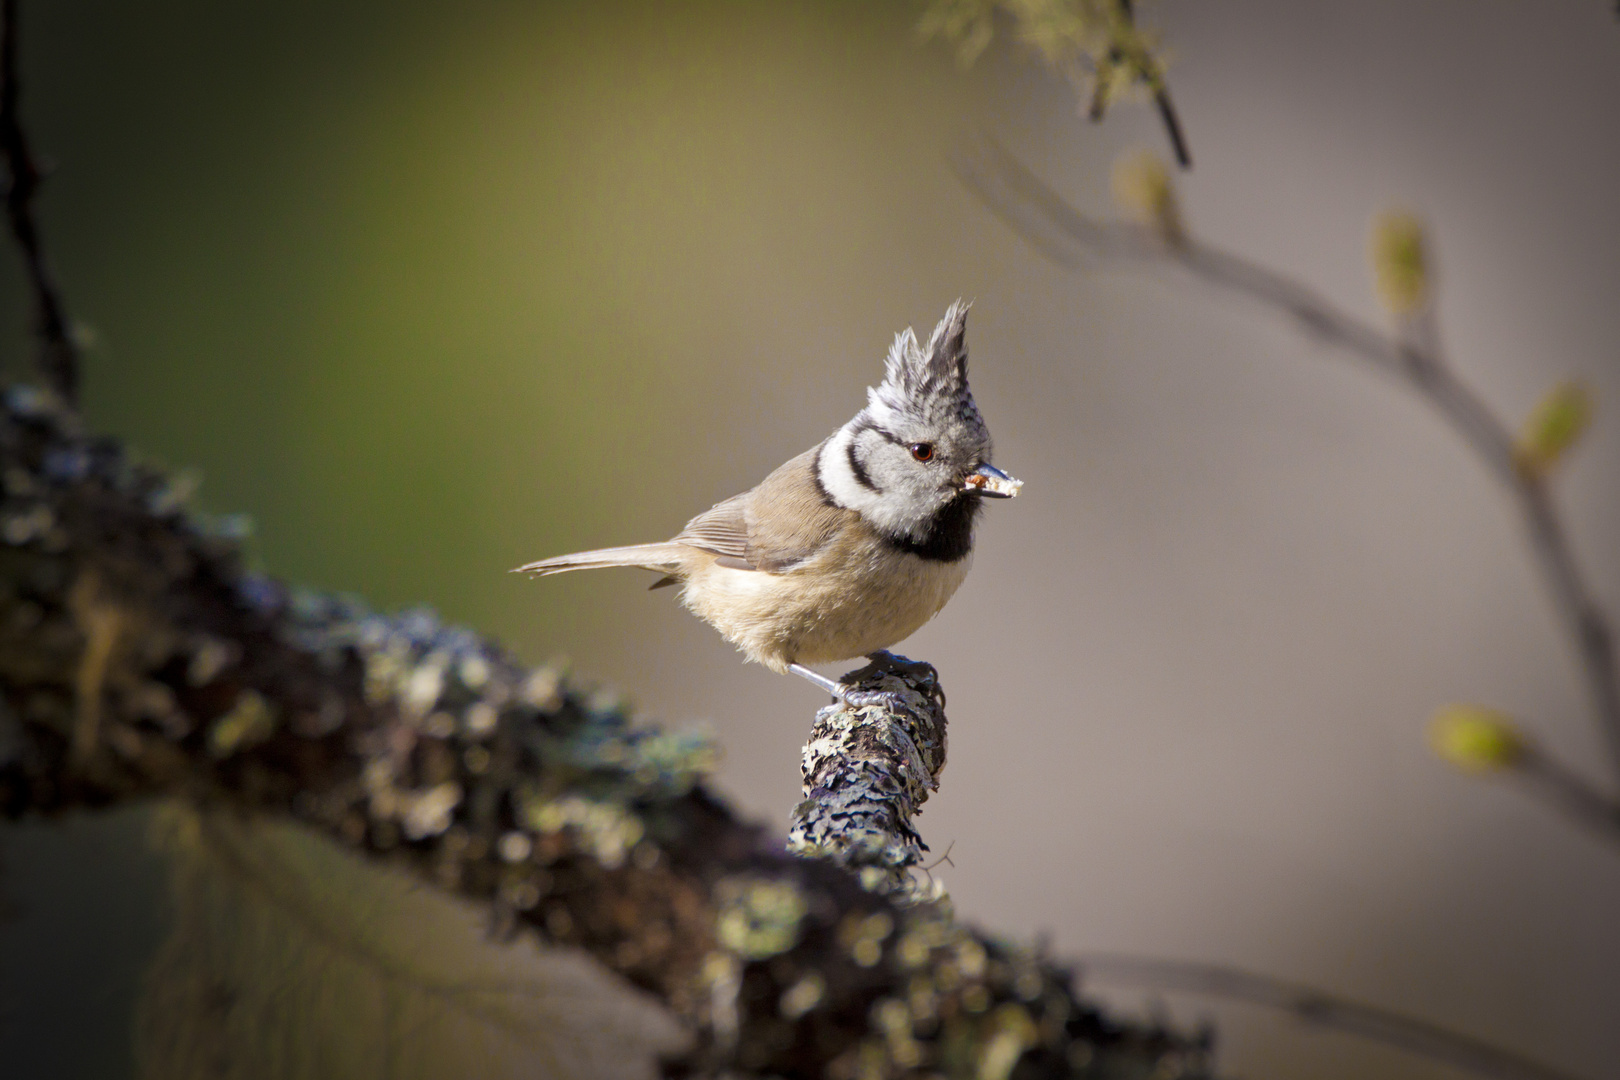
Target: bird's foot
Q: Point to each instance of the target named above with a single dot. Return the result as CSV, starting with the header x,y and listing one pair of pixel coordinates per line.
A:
x,y
921,676
884,660
919,673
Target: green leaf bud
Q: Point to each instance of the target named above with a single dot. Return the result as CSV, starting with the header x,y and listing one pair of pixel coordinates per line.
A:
x,y
1476,739
1553,426
1400,263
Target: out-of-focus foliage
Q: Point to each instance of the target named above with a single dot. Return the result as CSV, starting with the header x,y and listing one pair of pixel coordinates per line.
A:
x,y
1554,426
1144,193
1400,263
290,959
1094,43
1476,739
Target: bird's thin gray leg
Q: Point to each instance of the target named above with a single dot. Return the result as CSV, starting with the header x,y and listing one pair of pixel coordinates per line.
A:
x,y
858,699
836,689
849,695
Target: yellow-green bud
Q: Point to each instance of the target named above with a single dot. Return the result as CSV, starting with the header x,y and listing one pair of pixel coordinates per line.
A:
x,y
1400,263
1144,193
1476,739
1554,426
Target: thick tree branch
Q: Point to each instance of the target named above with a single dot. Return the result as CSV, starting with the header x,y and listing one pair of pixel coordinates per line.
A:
x,y
1071,239
138,659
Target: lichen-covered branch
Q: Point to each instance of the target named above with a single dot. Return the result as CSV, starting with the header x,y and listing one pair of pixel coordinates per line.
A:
x,y
1413,358
139,659
867,772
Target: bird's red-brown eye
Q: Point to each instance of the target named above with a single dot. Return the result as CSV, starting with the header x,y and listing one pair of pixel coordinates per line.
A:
x,y
923,451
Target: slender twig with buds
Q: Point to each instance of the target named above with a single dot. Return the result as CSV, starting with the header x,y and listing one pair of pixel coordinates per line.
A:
x,y
1521,462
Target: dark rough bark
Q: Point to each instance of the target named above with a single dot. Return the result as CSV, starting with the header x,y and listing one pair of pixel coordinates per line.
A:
x,y
867,772
139,659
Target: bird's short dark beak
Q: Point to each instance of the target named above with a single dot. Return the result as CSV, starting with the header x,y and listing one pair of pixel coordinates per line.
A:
x,y
991,482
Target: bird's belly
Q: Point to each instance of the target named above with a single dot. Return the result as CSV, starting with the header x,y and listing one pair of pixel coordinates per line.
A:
x,y
818,613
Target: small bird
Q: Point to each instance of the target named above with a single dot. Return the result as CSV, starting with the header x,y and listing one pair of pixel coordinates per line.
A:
x,y
852,545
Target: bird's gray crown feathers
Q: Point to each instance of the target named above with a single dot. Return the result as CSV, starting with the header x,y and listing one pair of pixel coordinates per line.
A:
x,y
929,384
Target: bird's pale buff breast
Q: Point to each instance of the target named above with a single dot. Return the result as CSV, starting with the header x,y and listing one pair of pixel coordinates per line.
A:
x,y
807,615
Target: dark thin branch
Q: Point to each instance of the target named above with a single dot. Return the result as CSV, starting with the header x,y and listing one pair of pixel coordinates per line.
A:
x,y
1042,217
1323,1010
1149,71
1172,127
1568,792
57,357
1153,74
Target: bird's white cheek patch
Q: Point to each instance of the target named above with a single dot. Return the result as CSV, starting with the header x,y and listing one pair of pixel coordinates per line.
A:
x,y
839,479
882,510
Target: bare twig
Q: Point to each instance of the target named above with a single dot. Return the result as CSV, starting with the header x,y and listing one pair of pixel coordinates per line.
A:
x,y
1172,126
1071,239
57,357
1323,1010
1152,72
1549,780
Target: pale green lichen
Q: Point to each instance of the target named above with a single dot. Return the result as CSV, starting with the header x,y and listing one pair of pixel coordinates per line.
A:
x,y
428,813
864,935
607,830
423,684
802,996
758,918
892,1018
1011,1032
250,722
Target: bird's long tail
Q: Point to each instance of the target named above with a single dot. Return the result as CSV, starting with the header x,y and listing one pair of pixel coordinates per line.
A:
x,y
666,558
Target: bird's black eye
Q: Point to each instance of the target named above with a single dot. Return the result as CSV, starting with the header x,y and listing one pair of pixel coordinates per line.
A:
x,y
923,451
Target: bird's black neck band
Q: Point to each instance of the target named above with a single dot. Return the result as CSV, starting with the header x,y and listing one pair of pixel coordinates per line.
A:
x,y
948,535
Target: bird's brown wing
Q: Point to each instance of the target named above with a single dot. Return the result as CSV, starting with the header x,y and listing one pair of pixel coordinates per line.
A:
x,y
783,521
721,530
790,517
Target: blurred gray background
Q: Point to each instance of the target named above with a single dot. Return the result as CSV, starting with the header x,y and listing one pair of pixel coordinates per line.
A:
x,y
431,290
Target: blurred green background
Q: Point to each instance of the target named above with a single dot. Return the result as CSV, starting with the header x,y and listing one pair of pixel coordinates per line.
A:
x,y
431,290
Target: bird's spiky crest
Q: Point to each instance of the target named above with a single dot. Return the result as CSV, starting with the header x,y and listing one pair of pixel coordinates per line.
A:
x,y
928,384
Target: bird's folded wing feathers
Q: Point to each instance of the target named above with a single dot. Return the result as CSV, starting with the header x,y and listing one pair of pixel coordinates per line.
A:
x,y
721,530
783,521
